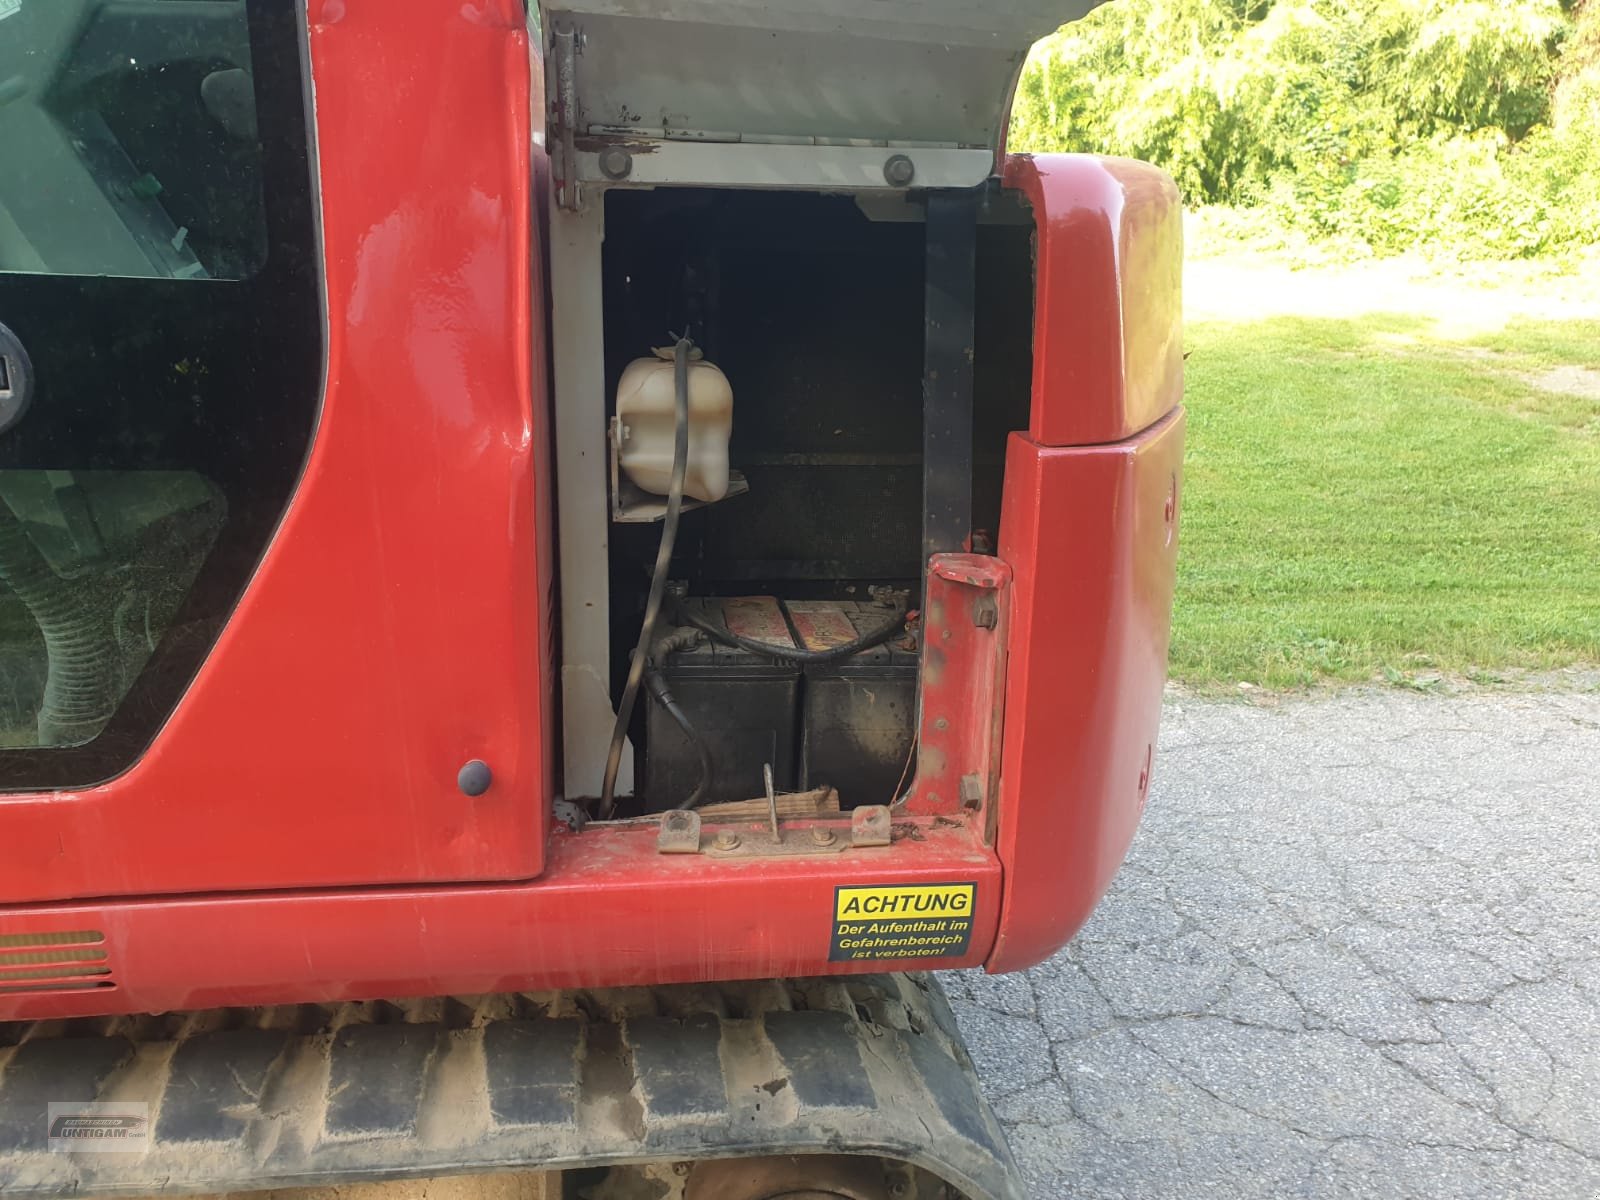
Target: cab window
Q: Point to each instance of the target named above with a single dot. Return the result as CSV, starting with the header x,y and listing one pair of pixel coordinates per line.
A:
x,y
160,354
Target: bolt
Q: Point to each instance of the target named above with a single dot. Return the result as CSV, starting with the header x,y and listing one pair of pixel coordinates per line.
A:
x,y
474,778
727,839
898,1189
680,1168
616,163
822,837
899,171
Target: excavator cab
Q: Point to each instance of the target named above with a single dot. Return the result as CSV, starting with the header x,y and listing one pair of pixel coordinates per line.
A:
x,y
555,559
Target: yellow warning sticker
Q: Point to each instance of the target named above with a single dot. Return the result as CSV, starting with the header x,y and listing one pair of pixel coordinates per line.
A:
x,y
932,920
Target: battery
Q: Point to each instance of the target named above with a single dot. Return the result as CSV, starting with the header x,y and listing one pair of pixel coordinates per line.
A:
x,y
858,714
743,706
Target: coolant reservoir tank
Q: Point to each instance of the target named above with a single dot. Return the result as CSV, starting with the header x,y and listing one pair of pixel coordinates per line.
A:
x,y
646,420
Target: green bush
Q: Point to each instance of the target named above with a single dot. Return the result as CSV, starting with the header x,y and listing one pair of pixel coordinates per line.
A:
x,y
1467,127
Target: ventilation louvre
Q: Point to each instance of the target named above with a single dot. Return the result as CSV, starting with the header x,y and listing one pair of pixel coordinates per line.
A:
x,y
53,960
53,937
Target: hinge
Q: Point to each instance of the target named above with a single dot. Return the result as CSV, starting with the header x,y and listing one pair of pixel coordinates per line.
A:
x,y
567,42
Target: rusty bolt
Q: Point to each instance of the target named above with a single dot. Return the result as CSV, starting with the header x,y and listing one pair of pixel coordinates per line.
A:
x,y
727,839
822,837
616,163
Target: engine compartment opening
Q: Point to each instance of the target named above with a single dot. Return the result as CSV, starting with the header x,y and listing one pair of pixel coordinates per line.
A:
x,y
815,308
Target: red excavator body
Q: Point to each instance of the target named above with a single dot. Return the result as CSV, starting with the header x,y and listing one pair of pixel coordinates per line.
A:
x,y
298,447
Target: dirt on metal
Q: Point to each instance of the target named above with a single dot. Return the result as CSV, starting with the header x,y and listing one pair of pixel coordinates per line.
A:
x,y
515,1185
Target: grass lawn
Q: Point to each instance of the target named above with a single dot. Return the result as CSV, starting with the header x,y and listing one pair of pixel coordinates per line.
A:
x,y
1366,500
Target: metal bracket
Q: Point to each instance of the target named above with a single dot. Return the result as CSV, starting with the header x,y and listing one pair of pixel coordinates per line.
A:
x,y
790,843
869,826
566,42
680,832
657,161
947,355
683,832
631,504
963,678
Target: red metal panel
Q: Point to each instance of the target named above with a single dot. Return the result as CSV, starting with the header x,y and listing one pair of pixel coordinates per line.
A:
x,y
1107,326
1091,534
396,626
965,632
610,912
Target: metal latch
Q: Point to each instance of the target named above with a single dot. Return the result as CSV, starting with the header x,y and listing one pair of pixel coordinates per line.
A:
x,y
16,379
683,832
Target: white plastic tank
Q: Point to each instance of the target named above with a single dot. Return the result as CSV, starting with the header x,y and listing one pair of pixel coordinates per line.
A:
x,y
647,420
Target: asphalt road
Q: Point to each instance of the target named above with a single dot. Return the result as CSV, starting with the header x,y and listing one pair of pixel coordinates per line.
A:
x,y
1355,952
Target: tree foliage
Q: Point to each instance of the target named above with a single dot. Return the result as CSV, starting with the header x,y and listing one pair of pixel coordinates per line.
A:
x,y
1389,121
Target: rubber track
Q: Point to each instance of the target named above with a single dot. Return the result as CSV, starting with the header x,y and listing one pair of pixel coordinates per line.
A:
x,y
302,1095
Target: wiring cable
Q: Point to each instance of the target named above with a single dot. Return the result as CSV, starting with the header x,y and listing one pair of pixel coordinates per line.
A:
x,y
658,578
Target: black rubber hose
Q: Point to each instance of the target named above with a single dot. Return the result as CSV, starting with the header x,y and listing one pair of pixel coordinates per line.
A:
x,y
657,683
80,687
658,578
788,653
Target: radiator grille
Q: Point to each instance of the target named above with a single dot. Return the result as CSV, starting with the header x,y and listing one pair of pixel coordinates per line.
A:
x,y
50,960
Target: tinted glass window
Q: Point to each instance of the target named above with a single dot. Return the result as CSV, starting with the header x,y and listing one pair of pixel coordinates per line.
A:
x,y
95,566
159,292
131,139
